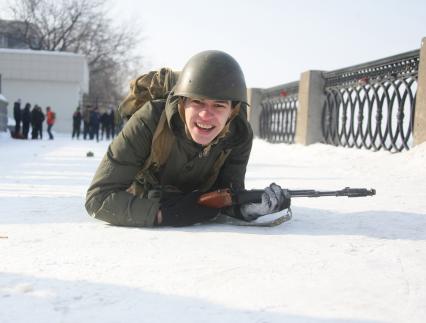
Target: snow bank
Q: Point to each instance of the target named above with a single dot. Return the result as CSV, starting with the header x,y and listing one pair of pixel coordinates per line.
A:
x,y
337,260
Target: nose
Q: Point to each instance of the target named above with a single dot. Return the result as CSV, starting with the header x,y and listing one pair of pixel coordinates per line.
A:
x,y
206,112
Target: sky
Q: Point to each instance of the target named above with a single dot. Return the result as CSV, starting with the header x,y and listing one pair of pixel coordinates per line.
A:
x,y
274,40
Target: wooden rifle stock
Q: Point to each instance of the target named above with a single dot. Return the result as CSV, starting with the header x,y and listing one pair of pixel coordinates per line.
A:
x,y
216,199
226,197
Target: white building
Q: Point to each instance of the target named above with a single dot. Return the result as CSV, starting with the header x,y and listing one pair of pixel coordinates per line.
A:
x,y
55,79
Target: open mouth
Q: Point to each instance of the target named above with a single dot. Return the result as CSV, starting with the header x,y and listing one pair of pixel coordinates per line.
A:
x,y
204,127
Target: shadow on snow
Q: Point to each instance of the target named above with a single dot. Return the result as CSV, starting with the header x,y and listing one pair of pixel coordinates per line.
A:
x,y
305,221
33,299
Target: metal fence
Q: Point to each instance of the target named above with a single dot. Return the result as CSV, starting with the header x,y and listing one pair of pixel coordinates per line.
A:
x,y
372,105
279,112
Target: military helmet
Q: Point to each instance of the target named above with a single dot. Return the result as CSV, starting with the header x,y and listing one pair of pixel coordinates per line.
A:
x,y
212,74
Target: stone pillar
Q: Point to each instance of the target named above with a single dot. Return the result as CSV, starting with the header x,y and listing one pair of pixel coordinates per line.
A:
x,y
419,131
254,98
311,100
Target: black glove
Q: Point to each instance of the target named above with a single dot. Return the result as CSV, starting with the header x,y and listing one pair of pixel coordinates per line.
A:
x,y
181,209
273,200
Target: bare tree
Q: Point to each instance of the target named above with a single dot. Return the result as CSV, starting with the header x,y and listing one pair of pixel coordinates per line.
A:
x,y
82,26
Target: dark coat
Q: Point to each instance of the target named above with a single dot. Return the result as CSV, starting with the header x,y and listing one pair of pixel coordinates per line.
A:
x,y
186,168
37,117
26,115
17,113
95,119
111,118
76,119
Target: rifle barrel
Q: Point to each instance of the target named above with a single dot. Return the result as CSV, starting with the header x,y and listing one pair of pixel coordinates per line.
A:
x,y
349,192
255,196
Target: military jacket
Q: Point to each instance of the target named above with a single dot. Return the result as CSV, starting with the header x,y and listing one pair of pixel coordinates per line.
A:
x,y
187,167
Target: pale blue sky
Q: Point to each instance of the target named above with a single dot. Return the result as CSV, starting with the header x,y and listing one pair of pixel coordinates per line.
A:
x,y
273,40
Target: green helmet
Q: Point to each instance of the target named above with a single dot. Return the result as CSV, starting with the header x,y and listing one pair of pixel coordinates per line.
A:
x,y
212,75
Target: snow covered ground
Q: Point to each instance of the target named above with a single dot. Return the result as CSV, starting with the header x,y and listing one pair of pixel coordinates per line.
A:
x,y
337,260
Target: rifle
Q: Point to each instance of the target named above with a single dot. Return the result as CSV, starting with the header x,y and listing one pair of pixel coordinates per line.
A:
x,y
227,197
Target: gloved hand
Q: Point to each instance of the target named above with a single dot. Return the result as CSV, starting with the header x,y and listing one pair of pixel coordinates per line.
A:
x,y
181,209
274,199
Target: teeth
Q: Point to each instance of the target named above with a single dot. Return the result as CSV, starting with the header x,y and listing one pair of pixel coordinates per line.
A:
x,y
204,126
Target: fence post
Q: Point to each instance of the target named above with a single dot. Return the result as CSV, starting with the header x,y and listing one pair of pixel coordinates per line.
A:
x,y
419,131
311,100
254,98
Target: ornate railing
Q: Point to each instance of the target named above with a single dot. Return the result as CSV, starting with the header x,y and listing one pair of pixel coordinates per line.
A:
x,y
372,105
279,112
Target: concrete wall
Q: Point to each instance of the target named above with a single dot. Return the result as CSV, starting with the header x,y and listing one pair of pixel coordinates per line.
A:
x,y
45,78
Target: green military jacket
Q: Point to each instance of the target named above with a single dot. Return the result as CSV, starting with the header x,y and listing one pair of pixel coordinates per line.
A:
x,y
187,167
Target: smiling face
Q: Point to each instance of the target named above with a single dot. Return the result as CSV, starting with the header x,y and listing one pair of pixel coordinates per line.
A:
x,y
205,118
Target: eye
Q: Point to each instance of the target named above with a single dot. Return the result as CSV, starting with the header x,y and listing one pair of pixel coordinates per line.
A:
x,y
220,105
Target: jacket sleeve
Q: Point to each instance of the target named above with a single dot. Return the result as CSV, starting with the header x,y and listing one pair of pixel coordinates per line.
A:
x,y
107,198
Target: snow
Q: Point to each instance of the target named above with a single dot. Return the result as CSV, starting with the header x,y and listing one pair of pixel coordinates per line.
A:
x,y
337,260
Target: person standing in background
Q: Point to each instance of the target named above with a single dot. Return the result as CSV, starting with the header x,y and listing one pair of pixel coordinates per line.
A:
x,y
26,119
17,115
33,117
104,124
76,123
37,118
50,121
95,119
86,121
40,119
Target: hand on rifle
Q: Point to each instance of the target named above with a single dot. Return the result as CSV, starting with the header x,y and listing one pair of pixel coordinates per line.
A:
x,y
274,199
180,209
